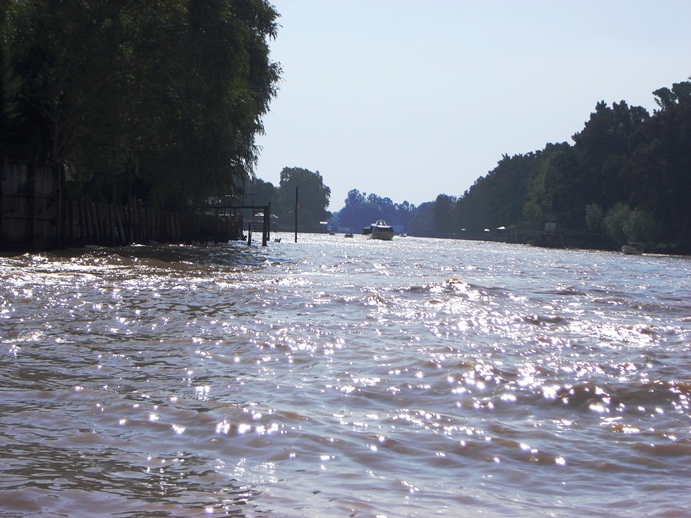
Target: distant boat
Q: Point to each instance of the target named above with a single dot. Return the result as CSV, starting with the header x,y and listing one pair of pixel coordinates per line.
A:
x,y
349,234
381,230
632,249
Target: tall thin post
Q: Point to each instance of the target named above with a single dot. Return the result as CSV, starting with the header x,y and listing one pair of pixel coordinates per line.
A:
x,y
265,225
268,225
297,206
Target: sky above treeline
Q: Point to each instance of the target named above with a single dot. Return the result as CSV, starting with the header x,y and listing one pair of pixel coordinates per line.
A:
x,y
409,99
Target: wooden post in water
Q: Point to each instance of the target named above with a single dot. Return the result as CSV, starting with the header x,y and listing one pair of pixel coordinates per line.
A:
x,y
297,206
265,225
268,225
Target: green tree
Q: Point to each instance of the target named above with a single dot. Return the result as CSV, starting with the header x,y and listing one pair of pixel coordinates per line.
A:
x,y
566,189
349,216
161,100
498,199
63,54
594,218
404,211
606,143
4,101
313,198
545,193
262,193
223,81
640,226
534,208
443,215
421,223
657,176
616,223
666,98
383,207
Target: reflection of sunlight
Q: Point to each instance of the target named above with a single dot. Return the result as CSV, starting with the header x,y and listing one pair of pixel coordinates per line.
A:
x,y
550,391
223,427
202,392
264,430
599,408
411,487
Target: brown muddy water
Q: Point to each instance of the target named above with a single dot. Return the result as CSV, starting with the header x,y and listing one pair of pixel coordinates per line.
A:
x,y
345,377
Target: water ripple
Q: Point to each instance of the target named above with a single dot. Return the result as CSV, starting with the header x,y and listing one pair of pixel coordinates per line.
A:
x,y
340,377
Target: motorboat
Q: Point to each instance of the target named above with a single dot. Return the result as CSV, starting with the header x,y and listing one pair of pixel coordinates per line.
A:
x,y
381,230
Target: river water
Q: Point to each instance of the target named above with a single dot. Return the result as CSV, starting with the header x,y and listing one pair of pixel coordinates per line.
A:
x,y
345,377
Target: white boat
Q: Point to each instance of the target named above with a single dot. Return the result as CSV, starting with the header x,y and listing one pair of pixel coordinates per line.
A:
x,y
381,230
632,249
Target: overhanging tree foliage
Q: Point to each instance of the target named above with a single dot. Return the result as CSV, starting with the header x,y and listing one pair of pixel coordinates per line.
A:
x,y
161,100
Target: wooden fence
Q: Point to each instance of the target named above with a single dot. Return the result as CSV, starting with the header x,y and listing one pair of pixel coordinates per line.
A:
x,y
35,216
87,223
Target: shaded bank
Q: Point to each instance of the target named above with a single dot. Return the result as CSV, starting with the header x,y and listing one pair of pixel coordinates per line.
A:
x,y
570,239
36,214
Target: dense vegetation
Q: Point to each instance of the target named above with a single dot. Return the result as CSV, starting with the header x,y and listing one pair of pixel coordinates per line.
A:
x,y
628,175
138,99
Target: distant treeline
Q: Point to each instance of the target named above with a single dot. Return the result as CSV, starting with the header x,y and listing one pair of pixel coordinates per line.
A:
x,y
626,177
137,100
362,209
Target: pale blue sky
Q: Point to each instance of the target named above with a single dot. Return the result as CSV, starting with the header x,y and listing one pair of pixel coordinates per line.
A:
x,y
413,98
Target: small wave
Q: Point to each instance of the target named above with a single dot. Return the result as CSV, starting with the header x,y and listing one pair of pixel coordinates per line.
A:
x,y
567,290
455,283
450,285
541,320
418,289
679,449
374,299
633,398
162,256
583,395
